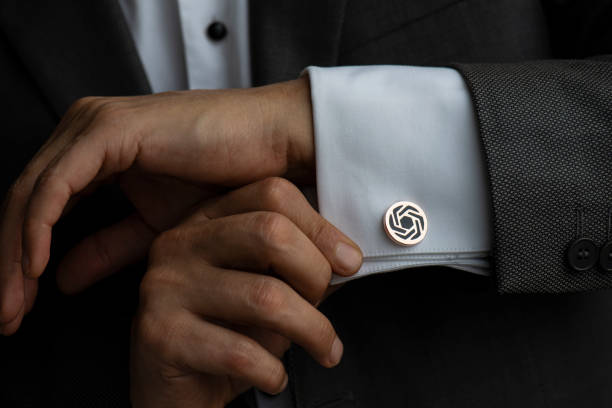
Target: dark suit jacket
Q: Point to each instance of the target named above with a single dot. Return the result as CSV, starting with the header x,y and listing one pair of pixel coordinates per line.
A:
x,y
425,338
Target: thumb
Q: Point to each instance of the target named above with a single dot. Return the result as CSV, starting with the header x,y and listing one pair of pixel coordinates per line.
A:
x,y
104,253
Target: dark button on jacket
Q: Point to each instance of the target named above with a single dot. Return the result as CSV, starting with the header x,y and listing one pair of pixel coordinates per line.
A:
x,y
605,257
582,254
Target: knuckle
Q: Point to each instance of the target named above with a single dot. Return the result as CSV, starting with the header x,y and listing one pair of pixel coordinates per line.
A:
x,y
148,288
159,285
277,192
321,232
320,282
274,230
167,243
266,296
183,242
159,246
158,334
240,358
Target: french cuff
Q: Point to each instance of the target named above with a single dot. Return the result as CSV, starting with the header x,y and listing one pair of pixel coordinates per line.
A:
x,y
386,134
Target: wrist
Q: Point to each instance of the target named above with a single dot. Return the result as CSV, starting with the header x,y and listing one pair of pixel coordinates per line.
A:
x,y
294,122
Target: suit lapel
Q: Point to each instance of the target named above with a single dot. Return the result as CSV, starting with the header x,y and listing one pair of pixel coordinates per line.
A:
x,y
287,36
85,49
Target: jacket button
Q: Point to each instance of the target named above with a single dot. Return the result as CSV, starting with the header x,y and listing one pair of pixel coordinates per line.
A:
x,y
216,31
605,257
582,254
405,223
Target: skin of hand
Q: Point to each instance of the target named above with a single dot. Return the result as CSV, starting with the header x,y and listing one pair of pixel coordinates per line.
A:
x,y
227,290
167,151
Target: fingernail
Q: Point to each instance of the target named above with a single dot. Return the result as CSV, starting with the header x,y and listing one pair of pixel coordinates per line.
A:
x,y
336,352
348,257
284,383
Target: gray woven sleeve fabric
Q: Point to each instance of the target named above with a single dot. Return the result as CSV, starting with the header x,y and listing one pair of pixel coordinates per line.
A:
x,y
546,130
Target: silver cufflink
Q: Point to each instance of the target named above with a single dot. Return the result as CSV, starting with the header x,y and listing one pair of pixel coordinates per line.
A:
x,y
405,223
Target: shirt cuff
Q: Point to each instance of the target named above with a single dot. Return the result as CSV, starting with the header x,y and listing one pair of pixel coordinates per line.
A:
x,y
385,134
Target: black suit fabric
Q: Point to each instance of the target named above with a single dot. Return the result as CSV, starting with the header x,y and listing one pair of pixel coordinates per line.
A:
x,y
429,337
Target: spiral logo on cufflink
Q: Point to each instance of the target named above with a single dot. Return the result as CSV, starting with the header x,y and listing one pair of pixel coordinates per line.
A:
x,y
405,223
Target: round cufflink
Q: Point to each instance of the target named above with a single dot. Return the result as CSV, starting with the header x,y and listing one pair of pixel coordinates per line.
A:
x,y
582,254
405,223
605,257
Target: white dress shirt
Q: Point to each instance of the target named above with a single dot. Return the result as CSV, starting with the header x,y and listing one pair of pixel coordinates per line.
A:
x,y
383,133
176,52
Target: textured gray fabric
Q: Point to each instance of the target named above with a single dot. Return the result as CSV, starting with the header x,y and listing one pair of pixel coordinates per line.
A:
x,y
546,129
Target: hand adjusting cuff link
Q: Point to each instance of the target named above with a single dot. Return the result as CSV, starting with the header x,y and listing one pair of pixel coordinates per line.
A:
x,y
405,223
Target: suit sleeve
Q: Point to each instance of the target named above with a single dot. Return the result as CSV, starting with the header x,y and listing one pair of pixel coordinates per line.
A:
x,y
546,133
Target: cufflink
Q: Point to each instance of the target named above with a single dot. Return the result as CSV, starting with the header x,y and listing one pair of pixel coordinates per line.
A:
x,y
405,223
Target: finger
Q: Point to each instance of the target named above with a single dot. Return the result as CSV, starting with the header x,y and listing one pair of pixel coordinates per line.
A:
x,y
30,292
27,294
84,162
190,342
279,195
12,305
12,282
13,289
11,278
104,253
266,302
265,242
273,342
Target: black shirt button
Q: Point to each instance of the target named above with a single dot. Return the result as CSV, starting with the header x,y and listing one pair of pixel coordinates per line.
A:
x,y
582,254
216,31
605,257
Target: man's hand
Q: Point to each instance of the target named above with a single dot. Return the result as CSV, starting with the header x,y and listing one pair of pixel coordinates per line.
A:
x,y
227,290
209,138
